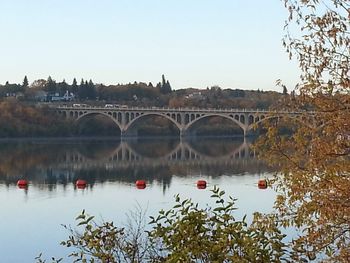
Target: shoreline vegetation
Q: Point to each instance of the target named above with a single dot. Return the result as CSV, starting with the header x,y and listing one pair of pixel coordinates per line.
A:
x,y
18,120
24,111
184,233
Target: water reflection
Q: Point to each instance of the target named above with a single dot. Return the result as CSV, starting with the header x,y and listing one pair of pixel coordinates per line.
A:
x,y
49,163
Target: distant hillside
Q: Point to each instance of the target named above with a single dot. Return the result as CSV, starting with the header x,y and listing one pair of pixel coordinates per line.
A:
x,y
139,94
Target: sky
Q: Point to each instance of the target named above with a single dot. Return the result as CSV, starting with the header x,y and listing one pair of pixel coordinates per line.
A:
x,y
195,43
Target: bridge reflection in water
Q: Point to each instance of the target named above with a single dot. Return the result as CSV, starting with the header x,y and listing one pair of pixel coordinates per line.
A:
x,y
125,156
50,164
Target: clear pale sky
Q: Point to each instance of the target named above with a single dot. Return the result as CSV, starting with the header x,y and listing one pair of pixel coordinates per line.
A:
x,y
195,43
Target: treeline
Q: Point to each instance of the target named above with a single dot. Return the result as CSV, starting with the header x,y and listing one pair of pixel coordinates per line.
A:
x,y
216,97
85,91
19,120
140,94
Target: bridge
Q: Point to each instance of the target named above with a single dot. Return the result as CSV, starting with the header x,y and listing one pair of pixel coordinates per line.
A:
x,y
127,118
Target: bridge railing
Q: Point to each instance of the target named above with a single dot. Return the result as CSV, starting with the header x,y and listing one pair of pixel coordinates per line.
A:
x,y
181,109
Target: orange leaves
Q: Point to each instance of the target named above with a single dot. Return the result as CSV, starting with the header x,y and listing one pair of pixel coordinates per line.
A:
x,y
315,161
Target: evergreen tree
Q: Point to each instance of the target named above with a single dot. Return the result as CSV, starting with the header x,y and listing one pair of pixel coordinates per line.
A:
x,y
50,85
87,90
74,87
163,80
91,90
62,87
165,87
25,82
82,90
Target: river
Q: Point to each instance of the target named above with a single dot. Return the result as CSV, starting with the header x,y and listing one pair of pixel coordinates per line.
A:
x,y
31,218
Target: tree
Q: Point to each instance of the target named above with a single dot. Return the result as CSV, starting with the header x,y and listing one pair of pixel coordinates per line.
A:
x,y
50,85
12,88
315,179
87,90
163,80
62,87
39,84
285,91
91,90
82,93
185,233
25,82
74,87
165,87
20,120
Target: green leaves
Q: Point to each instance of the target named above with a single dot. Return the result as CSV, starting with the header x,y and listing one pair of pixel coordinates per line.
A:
x,y
184,233
214,235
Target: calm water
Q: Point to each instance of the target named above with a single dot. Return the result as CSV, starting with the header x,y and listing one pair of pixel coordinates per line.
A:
x,y
30,219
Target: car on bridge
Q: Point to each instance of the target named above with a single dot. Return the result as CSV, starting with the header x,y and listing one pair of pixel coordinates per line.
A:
x,y
80,105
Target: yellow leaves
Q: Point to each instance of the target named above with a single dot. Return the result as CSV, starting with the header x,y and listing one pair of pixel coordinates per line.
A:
x,y
315,161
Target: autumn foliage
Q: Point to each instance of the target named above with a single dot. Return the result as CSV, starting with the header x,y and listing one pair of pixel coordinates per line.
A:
x,y
315,179
18,120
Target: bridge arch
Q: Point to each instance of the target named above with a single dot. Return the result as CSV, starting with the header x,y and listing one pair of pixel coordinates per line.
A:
x,y
225,116
181,150
91,113
139,117
263,118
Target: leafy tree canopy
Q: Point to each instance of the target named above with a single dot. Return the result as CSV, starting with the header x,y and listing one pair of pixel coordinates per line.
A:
x,y
315,180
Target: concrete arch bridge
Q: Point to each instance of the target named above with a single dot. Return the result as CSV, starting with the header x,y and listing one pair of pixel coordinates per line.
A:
x,y
127,118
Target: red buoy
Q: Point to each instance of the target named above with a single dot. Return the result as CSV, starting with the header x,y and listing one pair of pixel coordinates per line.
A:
x,y
262,184
80,184
22,184
140,184
201,184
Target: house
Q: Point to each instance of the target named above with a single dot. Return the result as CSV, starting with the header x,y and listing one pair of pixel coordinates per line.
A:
x,y
56,97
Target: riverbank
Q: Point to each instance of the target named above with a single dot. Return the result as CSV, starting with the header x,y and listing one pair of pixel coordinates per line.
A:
x,y
18,120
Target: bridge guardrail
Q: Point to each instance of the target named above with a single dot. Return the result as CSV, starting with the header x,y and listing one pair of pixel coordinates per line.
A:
x,y
88,107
